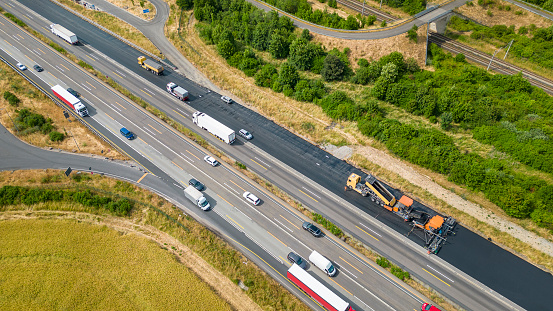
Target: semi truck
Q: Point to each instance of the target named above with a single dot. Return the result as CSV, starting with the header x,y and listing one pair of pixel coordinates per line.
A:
x,y
196,197
177,91
150,65
317,290
214,127
63,33
70,100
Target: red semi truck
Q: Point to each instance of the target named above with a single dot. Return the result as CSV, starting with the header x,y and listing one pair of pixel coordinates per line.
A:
x,y
70,100
317,290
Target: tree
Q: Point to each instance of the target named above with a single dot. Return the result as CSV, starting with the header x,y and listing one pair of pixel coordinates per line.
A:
x,y
225,49
185,4
302,53
56,136
306,35
445,120
288,75
412,34
260,37
333,68
389,72
264,77
278,46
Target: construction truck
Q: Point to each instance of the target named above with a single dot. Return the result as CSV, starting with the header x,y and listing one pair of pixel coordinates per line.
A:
x,y
177,91
373,188
435,229
150,65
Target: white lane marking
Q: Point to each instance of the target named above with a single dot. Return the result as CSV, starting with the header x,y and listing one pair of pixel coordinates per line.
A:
x,y
147,129
231,188
184,155
258,159
370,229
311,192
149,91
119,72
344,269
441,274
371,293
86,87
186,114
283,225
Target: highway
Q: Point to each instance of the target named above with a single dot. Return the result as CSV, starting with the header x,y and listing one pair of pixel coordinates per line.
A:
x,y
474,254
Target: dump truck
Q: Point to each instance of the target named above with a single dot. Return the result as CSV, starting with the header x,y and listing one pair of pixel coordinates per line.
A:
x,y
379,194
177,91
196,197
150,65
214,127
63,33
70,100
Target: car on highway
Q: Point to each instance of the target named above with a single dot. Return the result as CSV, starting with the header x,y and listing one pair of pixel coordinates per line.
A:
x,y
226,99
196,184
38,68
312,229
73,92
211,160
295,258
247,135
127,134
21,66
250,197
429,307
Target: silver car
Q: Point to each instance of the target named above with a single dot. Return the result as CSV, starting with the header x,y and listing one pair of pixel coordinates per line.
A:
x,y
247,135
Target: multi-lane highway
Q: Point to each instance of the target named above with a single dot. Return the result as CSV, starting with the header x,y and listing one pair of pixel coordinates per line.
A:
x,y
294,165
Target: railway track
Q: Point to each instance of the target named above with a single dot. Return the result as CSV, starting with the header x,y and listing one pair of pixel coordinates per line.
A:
x,y
368,10
482,58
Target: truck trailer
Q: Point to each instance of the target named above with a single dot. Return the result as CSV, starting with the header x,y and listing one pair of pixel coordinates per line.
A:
x,y
177,91
317,290
150,65
63,33
214,127
70,100
196,197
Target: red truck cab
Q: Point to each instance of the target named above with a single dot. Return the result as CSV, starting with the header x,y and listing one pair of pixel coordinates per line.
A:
x,y
429,307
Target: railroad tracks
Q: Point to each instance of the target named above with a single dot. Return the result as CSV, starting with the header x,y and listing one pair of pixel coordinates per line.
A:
x,y
368,10
482,58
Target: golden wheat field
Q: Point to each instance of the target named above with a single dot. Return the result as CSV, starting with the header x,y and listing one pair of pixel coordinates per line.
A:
x,y
49,264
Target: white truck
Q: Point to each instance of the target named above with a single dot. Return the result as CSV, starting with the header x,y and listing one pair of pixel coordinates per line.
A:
x,y
196,197
177,91
214,127
63,33
70,100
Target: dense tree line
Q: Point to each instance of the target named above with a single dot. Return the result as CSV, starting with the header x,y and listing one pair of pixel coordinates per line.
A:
x,y
537,49
13,195
410,7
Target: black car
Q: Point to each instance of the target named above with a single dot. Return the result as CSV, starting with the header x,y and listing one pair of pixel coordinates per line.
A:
x,y
295,258
196,184
38,68
73,92
311,228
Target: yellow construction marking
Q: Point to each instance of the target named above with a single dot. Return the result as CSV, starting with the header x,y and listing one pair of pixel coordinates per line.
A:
x,y
52,75
147,156
27,17
146,93
117,75
178,113
3,24
90,84
177,165
225,200
120,105
28,57
91,58
367,233
290,222
237,185
192,154
110,117
436,277
142,178
258,163
285,261
154,128
277,238
41,50
42,28
8,42
143,141
308,196
350,264
64,67
235,222
341,287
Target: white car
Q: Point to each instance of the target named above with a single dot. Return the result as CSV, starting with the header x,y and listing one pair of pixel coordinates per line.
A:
x,y
226,99
211,160
21,66
251,198
247,135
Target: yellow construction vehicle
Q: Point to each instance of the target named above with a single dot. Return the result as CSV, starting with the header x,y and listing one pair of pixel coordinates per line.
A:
x,y
150,65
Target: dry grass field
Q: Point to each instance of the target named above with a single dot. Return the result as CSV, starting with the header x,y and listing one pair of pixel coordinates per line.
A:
x,y
54,264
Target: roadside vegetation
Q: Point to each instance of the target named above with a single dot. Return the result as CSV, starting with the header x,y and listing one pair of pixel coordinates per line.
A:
x,y
82,198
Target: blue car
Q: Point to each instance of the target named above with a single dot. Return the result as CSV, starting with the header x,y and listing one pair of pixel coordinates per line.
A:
x,y
128,134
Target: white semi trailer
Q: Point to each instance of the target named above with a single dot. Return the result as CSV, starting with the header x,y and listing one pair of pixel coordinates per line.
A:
x,y
63,33
213,126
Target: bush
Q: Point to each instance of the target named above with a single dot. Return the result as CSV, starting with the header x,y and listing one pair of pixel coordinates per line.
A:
x,y
56,136
383,262
412,34
85,65
11,98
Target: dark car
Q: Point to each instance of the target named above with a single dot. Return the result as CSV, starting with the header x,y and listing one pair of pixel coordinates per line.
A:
x,y
38,68
311,228
128,134
196,184
73,92
295,258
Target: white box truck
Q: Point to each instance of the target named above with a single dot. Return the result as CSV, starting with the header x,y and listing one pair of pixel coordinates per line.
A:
x,y
322,263
213,126
70,100
177,91
196,197
63,33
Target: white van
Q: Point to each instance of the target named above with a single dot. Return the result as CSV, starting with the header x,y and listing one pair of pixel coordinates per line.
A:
x,y
322,263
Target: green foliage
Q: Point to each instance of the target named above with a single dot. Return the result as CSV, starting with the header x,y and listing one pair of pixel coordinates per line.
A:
x,y
306,35
328,225
56,136
445,120
412,34
185,4
288,75
399,273
410,7
225,48
57,48
333,68
333,4
383,262
85,65
303,53
29,122
240,165
11,98
15,19
383,24
278,46
266,76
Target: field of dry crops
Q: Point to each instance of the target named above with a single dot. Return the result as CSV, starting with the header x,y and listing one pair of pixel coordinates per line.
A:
x,y
53,264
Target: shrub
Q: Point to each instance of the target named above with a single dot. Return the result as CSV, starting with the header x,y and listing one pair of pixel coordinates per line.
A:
x,y
56,136
383,262
85,65
412,34
11,98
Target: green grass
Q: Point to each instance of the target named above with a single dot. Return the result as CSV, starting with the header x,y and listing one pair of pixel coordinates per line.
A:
x,y
49,264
